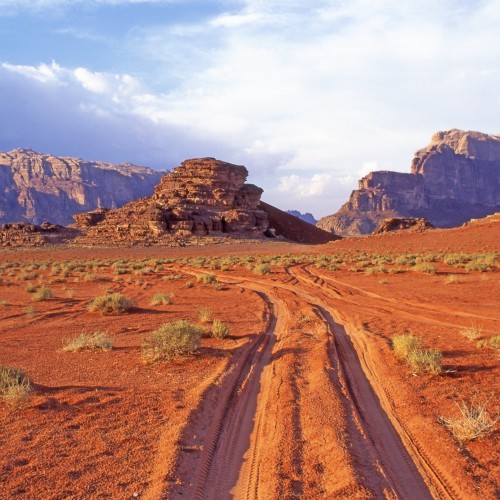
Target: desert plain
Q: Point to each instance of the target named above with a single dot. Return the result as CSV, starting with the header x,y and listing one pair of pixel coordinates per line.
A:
x,y
302,396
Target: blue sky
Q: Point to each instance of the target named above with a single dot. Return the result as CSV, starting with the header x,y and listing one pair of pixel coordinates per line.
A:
x,y
309,96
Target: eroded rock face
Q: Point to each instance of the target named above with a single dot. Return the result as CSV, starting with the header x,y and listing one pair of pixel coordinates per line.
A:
x,y
22,234
418,224
455,178
201,197
36,187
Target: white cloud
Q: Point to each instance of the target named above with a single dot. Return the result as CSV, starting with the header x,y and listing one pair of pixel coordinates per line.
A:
x,y
43,73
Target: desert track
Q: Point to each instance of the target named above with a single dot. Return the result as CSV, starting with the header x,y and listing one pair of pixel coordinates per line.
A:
x,y
278,420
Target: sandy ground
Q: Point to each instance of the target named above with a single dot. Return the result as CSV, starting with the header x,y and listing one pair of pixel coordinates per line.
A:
x,y
304,399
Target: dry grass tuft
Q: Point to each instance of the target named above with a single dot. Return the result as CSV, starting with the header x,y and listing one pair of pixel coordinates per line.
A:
x,y
160,298
471,332
112,303
14,385
90,341
220,330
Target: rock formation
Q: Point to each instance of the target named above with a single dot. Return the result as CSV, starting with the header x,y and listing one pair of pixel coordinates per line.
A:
x,y
35,187
22,234
307,217
455,178
407,224
201,197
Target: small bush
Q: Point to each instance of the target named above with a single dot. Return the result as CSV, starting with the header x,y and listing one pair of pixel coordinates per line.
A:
x,y
205,315
220,330
471,333
162,299
30,288
424,267
482,267
112,303
262,269
90,341
474,422
404,344
495,342
208,279
14,385
172,339
425,360
42,294
452,279
189,284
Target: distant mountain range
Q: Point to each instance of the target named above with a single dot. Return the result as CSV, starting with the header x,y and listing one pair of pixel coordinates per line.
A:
x,y
307,217
455,178
35,187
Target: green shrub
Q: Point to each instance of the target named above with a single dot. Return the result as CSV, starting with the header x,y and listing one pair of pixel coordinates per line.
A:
x,y
424,267
404,344
90,341
160,298
205,315
495,341
209,279
482,267
42,294
220,330
425,360
14,385
171,339
112,303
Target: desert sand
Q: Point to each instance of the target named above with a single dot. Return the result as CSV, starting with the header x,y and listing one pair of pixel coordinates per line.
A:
x,y
305,397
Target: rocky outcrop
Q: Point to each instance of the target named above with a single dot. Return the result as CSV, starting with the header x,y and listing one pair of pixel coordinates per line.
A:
x,y
307,217
31,235
202,197
35,187
455,178
407,224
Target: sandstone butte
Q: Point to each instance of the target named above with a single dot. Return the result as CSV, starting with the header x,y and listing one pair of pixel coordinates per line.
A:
x,y
202,198
455,178
39,187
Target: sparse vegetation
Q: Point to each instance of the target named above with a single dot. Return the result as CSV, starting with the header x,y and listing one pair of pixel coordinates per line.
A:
x,y
453,279
205,315
42,294
471,332
473,422
15,386
404,344
112,303
189,284
161,298
220,330
90,341
170,340
495,342
262,269
208,279
409,348
424,267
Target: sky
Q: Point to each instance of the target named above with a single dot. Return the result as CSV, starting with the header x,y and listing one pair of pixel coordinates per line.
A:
x,y
309,96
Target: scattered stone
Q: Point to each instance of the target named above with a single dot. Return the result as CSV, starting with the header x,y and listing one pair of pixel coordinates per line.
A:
x,y
413,224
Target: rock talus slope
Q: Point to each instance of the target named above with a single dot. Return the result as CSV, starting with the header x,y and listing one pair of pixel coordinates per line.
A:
x,y
455,178
35,187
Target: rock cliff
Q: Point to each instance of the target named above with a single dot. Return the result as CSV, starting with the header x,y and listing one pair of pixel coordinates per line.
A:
x,y
455,178
35,187
202,197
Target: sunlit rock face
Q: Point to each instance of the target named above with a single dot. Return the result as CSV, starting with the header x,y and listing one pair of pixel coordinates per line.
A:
x,y
35,187
455,178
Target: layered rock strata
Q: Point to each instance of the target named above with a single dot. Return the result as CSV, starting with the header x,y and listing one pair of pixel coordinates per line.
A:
x,y
407,224
35,187
455,178
201,197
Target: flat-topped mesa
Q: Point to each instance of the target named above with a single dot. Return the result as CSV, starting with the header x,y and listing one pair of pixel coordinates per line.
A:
x,y
455,178
200,197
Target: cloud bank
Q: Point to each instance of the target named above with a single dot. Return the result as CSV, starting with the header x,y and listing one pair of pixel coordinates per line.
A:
x,y
306,98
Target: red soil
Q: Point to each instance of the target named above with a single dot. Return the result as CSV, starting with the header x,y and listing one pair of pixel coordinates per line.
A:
x,y
304,399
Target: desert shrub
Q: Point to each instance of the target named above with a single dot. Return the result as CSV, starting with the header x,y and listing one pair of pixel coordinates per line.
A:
x,y
30,288
161,298
473,422
376,270
111,303
262,269
42,294
404,344
452,279
189,284
28,276
14,385
424,267
220,330
207,278
172,277
205,315
495,341
90,341
425,360
477,266
172,339
471,332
